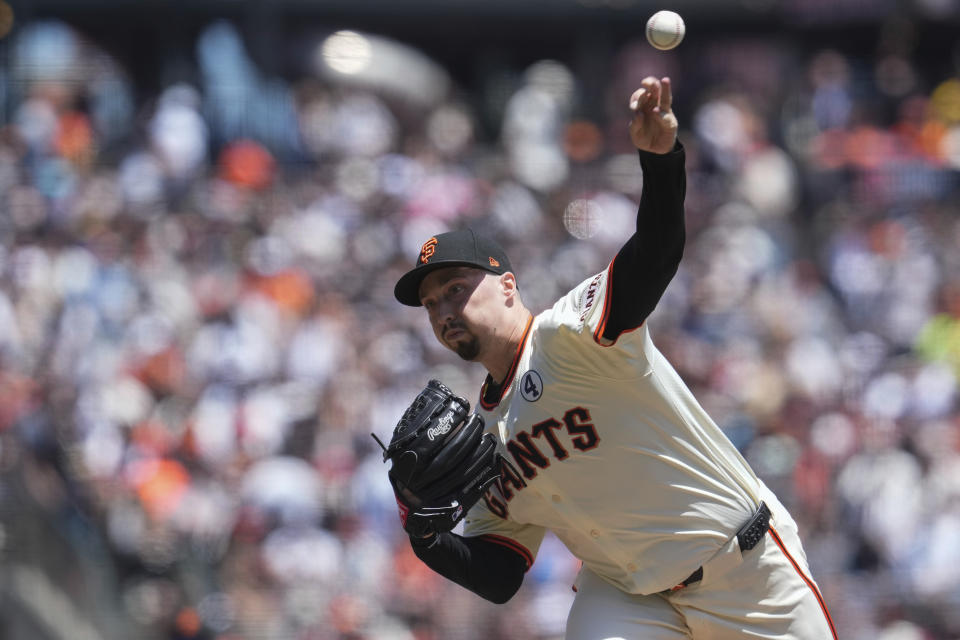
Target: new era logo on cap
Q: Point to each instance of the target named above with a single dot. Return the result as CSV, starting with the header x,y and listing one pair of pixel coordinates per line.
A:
x,y
454,248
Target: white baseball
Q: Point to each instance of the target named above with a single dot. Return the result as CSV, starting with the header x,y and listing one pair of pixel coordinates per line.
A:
x,y
665,30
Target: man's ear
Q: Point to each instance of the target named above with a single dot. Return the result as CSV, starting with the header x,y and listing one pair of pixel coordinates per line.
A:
x,y
508,284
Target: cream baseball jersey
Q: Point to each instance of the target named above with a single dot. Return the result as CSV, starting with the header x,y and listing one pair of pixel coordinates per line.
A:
x,y
604,445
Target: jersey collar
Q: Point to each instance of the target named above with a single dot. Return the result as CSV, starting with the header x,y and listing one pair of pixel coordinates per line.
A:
x,y
491,393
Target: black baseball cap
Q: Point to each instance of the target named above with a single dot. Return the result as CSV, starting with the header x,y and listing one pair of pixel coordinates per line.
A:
x,y
462,248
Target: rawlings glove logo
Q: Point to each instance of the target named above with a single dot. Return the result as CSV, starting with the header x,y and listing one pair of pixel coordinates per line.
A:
x,y
443,427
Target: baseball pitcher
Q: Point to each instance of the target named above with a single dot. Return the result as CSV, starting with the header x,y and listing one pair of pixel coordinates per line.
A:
x,y
582,427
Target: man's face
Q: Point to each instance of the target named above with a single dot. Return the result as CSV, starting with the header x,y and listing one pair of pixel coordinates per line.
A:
x,y
461,303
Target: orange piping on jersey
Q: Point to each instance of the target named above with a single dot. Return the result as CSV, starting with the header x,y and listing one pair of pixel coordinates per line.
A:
x,y
813,587
489,406
511,544
598,334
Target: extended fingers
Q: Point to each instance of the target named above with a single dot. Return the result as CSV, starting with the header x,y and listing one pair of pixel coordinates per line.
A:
x,y
647,96
666,95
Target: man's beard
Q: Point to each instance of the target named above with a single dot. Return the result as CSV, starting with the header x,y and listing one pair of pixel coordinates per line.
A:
x,y
468,347
469,350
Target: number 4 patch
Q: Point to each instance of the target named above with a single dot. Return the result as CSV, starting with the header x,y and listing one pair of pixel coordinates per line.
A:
x,y
531,386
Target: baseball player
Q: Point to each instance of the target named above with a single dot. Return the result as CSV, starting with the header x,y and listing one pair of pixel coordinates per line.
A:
x,y
583,428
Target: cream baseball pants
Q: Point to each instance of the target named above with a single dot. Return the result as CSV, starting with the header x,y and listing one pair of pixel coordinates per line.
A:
x,y
766,592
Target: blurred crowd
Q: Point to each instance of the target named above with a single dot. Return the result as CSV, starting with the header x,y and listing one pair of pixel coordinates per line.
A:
x,y
198,333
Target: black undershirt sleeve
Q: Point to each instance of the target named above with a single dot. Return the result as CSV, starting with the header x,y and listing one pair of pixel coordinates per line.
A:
x,y
648,261
490,570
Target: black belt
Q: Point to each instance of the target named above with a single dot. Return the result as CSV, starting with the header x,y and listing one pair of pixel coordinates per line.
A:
x,y
748,536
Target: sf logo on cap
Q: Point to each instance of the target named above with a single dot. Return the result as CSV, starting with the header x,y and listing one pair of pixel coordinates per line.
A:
x,y
426,251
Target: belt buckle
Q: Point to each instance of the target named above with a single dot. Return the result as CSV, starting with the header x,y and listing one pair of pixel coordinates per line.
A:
x,y
753,531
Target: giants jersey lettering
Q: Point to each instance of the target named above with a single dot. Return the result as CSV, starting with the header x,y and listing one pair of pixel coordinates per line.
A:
x,y
606,447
